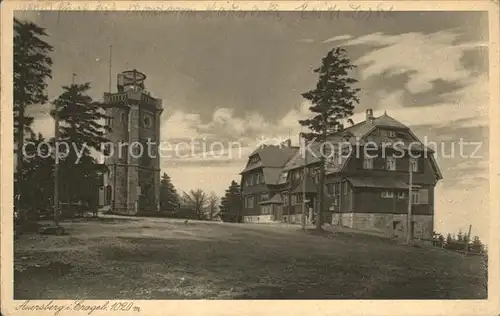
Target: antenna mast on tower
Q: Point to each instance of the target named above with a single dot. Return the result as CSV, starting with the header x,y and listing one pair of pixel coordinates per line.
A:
x,y
110,54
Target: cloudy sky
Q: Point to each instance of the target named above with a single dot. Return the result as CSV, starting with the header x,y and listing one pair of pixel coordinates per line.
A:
x,y
239,78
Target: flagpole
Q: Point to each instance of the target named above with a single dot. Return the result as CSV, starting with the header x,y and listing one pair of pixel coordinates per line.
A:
x,y
409,219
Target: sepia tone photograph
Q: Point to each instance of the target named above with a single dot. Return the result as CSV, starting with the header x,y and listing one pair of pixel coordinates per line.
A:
x,y
254,155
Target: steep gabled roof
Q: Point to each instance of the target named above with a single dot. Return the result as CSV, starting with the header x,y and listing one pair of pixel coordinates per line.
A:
x,y
312,153
362,129
272,175
275,156
310,186
272,159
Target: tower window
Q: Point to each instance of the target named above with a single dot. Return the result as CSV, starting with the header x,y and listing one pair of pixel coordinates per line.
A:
x,y
147,122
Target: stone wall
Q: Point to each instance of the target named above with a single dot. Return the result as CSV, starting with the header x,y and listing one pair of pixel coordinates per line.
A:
x,y
258,219
390,224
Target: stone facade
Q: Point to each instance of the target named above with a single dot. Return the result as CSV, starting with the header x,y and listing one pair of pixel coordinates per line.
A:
x,y
259,219
134,174
389,224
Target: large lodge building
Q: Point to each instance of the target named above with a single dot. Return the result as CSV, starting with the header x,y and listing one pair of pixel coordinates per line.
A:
x,y
366,183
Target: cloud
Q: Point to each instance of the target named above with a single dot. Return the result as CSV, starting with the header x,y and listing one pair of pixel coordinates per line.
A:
x,y
338,38
306,40
180,125
426,57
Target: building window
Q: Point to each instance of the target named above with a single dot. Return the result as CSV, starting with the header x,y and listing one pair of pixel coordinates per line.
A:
x,y
124,152
264,197
368,163
346,188
316,178
300,198
254,159
387,194
123,118
147,122
414,164
392,134
267,210
109,121
401,195
390,163
249,202
296,175
415,197
294,199
330,189
420,196
286,199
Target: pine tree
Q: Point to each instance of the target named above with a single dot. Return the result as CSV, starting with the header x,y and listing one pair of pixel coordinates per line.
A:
x,y
32,69
169,199
38,172
231,203
81,130
477,245
333,102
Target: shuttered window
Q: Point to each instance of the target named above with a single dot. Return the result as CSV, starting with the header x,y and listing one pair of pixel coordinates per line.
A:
x,y
424,196
420,196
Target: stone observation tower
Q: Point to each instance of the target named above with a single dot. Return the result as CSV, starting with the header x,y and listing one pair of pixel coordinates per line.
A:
x,y
133,181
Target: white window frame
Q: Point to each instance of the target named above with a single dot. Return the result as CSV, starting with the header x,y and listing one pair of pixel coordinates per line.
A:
x,y
415,197
401,195
109,121
388,165
368,163
387,194
414,164
249,201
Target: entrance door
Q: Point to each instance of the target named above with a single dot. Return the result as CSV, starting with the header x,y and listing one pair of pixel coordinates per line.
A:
x,y
278,213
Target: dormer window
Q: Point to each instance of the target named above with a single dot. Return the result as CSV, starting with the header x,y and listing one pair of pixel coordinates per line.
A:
x,y
392,134
254,159
390,163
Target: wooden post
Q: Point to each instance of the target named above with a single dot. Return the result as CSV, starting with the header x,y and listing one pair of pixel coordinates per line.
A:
x,y
56,165
467,239
304,185
409,219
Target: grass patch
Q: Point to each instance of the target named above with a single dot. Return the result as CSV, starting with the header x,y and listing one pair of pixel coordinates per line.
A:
x,y
164,259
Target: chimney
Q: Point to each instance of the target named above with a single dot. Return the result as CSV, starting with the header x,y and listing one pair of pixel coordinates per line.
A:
x,y
369,115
